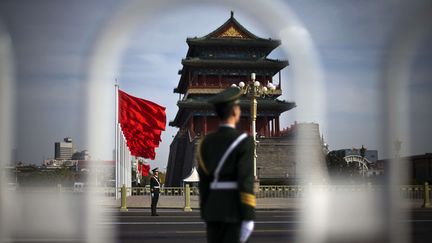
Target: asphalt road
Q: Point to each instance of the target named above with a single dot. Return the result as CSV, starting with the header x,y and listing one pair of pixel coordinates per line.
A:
x,y
177,226
270,226
137,225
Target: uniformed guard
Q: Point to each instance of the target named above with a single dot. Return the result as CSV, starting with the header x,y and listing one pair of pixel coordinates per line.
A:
x,y
154,189
225,168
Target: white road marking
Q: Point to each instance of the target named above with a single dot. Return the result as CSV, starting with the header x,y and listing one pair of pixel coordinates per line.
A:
x,y
41,240
256,222
189,222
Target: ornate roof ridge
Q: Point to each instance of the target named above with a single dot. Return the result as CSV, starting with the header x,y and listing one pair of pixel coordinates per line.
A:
x,y
233,30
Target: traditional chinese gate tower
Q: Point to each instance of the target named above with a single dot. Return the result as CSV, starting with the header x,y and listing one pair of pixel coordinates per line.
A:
x,y
226,56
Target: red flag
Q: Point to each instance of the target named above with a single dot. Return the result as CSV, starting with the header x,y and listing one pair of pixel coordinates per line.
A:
x,y
132,126
142,122
153,137
141,138
145,168
139,148
147,113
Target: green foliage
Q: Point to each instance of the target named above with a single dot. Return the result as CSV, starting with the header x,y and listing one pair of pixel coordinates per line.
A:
x,y
162,177
134,173
43,177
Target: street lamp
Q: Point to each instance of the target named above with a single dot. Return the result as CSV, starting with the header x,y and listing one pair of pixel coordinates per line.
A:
x,y
363,154
254,90
259,169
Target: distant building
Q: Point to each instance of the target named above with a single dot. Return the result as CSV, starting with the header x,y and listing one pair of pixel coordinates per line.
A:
x,y
376,169
419,167
370,155
83,155
64,150
227,56
350,163
53,163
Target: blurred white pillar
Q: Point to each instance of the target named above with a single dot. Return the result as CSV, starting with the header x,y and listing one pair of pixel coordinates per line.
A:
x,y
108,50
409,34
7,93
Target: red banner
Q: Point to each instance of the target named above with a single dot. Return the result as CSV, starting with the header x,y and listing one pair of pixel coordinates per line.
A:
x,y
142,123
145,168
148,114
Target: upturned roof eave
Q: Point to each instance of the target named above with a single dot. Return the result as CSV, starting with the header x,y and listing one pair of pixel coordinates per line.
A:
x,y
190,105
277,105
233,62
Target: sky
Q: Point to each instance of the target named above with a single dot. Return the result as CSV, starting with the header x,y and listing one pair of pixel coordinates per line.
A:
x,y
53,41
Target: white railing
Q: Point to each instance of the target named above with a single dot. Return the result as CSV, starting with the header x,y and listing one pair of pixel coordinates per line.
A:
x,y
281,191
295,191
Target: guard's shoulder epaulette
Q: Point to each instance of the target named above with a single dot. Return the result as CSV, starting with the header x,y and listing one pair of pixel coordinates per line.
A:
x,y
201,163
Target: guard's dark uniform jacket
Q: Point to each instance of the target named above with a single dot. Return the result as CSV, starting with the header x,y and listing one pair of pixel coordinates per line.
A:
x,y
154,189
235,201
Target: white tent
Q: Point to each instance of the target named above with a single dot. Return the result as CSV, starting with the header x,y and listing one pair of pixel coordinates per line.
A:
x,y
193,176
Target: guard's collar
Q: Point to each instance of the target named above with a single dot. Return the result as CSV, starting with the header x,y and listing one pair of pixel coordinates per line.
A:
x,y
227,125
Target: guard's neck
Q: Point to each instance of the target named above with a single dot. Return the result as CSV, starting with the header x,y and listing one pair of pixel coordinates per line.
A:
x,y
230,122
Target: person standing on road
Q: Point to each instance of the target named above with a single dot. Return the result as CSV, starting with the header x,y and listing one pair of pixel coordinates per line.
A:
x,y
225,167
154,189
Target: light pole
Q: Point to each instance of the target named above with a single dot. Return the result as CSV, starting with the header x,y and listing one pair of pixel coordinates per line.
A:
x,y
363,154
254,90
397,146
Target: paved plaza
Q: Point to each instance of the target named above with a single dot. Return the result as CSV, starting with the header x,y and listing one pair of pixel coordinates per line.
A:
x,y
178,202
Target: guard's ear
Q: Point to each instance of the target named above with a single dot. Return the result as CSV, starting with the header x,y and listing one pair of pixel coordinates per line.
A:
x,y
235,109
233,112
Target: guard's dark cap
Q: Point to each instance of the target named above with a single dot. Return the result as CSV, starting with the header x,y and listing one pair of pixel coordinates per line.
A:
x,y
155,170
227,96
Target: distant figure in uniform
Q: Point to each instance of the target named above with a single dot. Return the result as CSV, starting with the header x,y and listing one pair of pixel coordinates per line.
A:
x,y
225,168
154,189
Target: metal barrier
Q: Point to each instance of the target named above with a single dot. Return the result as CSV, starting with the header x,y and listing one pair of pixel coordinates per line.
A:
x,y
414,192
426,200
280,192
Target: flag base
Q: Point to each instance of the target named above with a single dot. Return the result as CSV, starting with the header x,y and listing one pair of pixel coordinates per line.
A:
x,y
123,207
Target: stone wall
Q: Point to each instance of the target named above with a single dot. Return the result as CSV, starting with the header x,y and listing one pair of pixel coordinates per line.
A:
x,y
294,158
276,158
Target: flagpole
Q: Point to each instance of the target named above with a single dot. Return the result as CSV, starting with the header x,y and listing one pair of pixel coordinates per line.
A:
x,y
123,158
116,150
123,207
120,156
